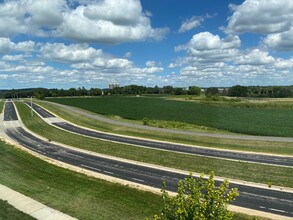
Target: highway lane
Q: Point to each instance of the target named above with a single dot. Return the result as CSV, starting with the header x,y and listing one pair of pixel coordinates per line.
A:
x,y
277,202
10,113
232,155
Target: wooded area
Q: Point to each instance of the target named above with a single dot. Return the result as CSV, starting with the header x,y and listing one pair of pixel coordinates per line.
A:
x,y
234,91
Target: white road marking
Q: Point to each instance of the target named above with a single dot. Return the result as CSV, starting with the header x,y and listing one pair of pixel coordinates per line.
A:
x,y
277,210
90,167
262,207
74,155
108,172
138,180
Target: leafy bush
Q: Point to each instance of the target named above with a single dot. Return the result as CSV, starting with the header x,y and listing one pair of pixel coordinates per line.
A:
x,y
198,199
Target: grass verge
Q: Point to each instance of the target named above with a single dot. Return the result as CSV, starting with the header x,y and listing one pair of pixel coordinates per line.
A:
x,y
229,169
72,193
7,211
221,143
1,106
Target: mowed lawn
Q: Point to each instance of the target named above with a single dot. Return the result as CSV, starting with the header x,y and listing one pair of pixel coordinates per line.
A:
x,y
254,121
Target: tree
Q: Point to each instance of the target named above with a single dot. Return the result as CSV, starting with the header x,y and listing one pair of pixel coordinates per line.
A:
x,y
95,92
41,93
180,91
238,91
198,199
193,90
156,90
212,91
168,89
72,92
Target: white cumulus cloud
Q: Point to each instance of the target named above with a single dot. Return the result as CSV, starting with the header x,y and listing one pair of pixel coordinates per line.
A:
x,y
280,41
255,57
69,53
104,21
261,16
6,45
190,24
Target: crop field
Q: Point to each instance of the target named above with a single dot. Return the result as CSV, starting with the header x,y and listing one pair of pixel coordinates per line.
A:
x,y
254,121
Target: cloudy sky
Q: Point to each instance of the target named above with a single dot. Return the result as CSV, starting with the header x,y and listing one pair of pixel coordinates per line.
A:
x,y
91,43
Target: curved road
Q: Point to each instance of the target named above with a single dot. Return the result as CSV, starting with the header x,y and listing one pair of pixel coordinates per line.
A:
x,y
231,155
268,200
120,123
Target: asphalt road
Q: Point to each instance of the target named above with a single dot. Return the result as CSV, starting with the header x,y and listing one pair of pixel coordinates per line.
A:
x,y
232,155
268,200
10,113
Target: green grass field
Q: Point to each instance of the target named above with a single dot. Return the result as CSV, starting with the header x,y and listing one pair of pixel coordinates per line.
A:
x,y
7,211
255,121
284,148
229,169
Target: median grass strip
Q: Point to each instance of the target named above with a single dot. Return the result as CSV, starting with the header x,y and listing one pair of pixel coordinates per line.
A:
x,y
254,121
78,195
221,143
1,106
230,169
7,211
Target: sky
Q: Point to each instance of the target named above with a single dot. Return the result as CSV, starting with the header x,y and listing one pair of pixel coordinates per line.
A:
x,y
91,43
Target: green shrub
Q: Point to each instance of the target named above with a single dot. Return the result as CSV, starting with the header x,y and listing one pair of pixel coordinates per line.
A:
x,y
198,199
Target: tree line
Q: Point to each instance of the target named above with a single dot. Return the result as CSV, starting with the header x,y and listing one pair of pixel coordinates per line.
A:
x,y
41,93
261,91
234,91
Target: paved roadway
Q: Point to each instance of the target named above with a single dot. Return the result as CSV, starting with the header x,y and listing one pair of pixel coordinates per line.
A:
x,y
247,157
268,200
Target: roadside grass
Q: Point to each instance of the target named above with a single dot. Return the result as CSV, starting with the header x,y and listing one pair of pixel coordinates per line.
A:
x,y
229,169
7,211
284,148
1,106
73,193
254,121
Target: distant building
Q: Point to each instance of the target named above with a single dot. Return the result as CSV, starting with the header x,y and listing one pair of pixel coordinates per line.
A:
x,y
113,85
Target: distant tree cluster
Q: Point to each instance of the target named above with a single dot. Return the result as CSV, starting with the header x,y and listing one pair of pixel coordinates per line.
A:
x,y
261,91
41,93
168,90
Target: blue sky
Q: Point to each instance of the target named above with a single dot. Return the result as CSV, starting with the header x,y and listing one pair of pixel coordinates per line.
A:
x,y
91,43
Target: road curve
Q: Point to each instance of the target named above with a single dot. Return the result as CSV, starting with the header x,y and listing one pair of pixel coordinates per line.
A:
x,y
222,154
268,200
120,123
